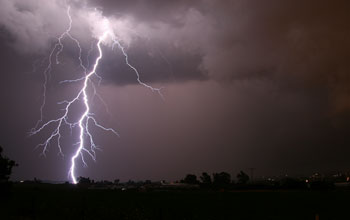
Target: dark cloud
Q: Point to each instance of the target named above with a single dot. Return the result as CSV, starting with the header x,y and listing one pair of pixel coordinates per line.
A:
x,y
147,11
155,63
302,45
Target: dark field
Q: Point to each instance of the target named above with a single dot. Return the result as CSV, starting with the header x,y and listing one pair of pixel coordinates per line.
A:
x,y
62,202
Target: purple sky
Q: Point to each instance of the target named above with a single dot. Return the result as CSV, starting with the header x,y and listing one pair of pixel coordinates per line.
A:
x,y
261,84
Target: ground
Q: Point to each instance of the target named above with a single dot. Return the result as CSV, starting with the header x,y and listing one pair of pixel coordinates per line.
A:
x,y
62,202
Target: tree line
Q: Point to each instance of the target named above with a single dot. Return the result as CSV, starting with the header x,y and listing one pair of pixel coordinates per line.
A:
x,y
221,180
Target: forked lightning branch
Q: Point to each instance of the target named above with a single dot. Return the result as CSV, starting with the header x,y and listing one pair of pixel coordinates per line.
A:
x,y
86,145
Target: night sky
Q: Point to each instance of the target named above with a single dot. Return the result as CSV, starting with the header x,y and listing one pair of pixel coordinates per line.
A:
x,y
247,83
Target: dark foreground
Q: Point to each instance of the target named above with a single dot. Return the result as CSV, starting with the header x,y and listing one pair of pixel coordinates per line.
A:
x,y
61,202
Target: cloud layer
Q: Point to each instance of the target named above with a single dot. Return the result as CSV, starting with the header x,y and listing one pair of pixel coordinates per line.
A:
x,y
231,39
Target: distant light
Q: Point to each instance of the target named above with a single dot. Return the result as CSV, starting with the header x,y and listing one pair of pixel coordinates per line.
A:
x,y
306,181
21,181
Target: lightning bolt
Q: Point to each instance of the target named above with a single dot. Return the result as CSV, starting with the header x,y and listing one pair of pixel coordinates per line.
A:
x,y
86,142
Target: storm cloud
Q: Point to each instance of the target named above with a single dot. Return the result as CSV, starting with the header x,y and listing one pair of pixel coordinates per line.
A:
x,y
299,45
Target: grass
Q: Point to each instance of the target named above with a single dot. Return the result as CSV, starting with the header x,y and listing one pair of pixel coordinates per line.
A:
x,y
59,202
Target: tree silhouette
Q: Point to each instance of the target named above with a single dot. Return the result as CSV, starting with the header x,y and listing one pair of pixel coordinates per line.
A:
x,y
242,177
222,179
6,166
84,181
190,179
205,178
